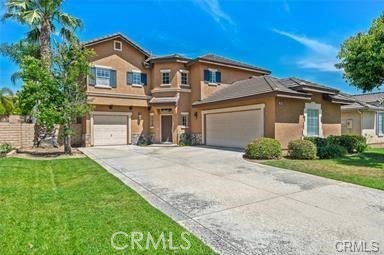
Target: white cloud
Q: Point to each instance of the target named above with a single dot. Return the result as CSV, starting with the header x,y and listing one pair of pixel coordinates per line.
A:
x,y
322,56
213,8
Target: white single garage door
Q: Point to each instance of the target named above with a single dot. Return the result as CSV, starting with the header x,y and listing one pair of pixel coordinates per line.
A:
x,y
234,129
109,130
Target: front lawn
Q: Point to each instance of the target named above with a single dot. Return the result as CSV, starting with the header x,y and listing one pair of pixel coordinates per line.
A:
x,y
73,206
366,169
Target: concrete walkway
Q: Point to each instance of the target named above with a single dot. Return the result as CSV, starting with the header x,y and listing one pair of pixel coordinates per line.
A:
x,y
239,207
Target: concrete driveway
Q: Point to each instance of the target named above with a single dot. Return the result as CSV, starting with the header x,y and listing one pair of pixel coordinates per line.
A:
x,y
239,207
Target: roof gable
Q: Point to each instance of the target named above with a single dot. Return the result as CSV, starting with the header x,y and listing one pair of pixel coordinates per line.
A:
x,y
117,36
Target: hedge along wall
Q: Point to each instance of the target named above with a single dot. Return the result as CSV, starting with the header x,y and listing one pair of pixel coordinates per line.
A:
x,y
21,135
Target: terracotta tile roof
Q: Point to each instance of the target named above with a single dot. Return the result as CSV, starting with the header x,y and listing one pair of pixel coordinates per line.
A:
x,y
117,35
256,85
223,60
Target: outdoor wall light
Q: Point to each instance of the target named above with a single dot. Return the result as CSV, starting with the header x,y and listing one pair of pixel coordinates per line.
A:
x,y
110,107
195,115
140,116
130,108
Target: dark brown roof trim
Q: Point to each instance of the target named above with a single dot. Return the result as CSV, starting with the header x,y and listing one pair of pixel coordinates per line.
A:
x,y
314,89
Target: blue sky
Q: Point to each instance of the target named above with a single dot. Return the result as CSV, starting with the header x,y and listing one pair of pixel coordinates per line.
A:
x,y
291,38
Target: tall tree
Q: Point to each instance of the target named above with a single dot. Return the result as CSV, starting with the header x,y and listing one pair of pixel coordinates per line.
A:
x,y
44,17
6,101
362,57
57,95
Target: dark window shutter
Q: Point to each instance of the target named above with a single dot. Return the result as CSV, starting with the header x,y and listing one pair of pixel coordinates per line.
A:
x,y
206,75
144,79
92,77
129,78
218,77
112,79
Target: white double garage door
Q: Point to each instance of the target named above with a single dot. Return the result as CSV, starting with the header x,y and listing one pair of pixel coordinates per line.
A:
x,y
233,127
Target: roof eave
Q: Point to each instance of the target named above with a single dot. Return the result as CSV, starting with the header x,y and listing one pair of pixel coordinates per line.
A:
x,y
202,60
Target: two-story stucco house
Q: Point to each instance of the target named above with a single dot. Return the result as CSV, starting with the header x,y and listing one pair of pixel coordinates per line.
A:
x,y
218,101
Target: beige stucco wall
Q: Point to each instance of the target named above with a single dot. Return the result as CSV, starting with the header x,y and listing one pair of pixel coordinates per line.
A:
x,y
355,116
290,118
122,61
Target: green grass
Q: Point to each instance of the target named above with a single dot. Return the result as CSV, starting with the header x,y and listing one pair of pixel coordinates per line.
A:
x,y
366,169
73,206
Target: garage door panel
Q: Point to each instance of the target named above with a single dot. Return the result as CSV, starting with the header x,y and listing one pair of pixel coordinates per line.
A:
x,y
233,129
110,130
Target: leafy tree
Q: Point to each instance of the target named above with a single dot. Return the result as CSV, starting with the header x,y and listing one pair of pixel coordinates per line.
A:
x,y
43,17
17,51
362,57
57,95
6,101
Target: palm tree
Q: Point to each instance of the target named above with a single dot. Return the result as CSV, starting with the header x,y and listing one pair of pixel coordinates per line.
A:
x,y
42,16
6,101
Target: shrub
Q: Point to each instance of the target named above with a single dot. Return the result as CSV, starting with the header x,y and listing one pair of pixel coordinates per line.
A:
x,y
185,139
350,143
318,141
263,148
331,151
302,149
5,148
144,140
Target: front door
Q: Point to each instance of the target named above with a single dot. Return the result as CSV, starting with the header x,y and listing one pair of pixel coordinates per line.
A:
x,y
166,128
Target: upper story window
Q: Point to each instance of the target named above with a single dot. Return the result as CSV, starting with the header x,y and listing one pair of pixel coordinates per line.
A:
x,y
102,77
117,45
136,78
212,76
312,120
184,79
165,77
380,123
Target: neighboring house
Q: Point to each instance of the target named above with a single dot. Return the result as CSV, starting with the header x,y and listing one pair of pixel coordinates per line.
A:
x,y
365,117
217,100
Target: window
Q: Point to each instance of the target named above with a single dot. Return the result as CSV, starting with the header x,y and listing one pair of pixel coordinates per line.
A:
x,y
136,78
380,123
313,122
117,45
212,76
184,119
151,120
165,78
103,76
184,78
